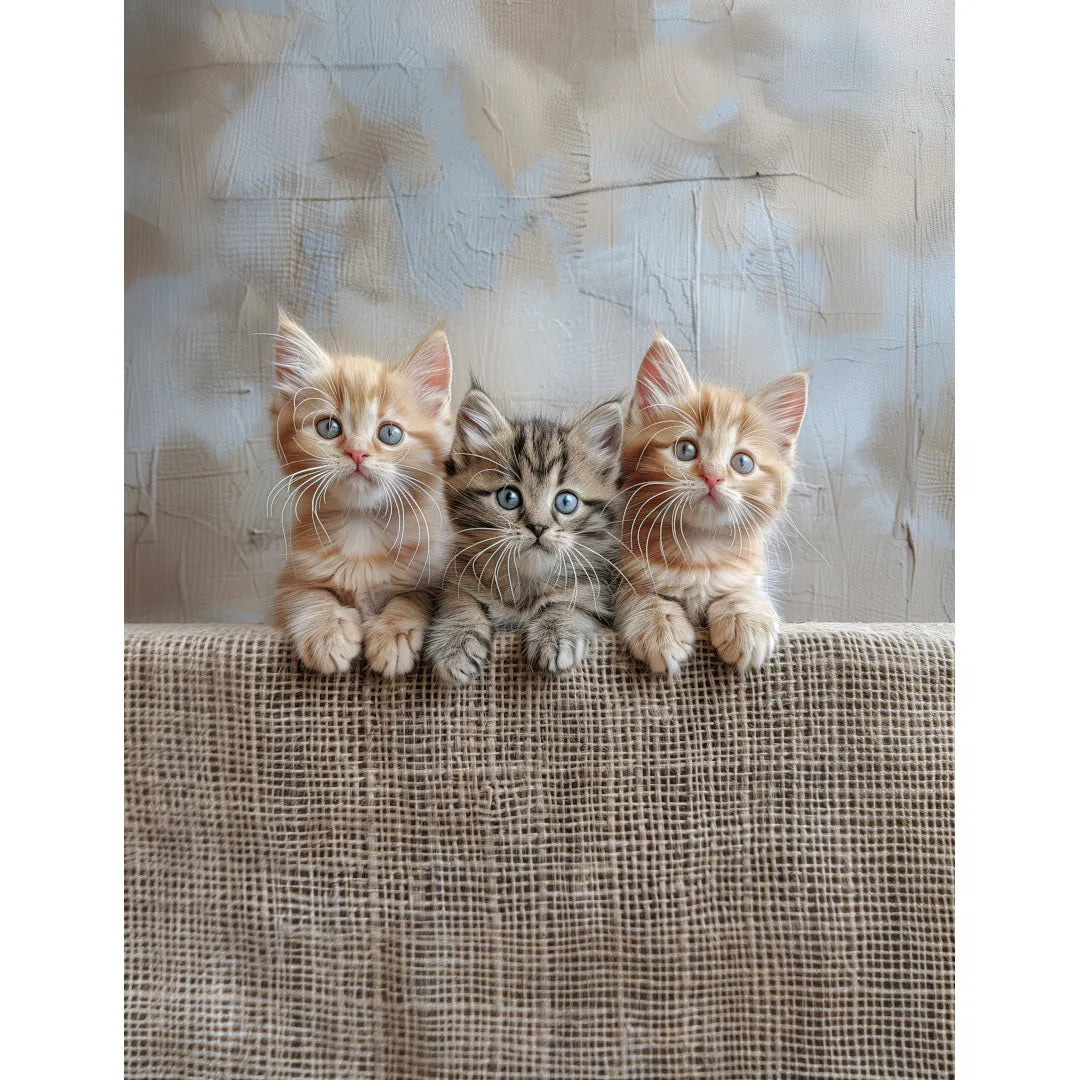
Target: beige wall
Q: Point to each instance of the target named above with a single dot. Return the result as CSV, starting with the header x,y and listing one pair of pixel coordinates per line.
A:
x,y
768,182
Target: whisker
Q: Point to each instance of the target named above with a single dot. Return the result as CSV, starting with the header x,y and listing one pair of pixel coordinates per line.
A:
x,y
613,565
467,569
487,563
641,504
420,516
504,554
634,531
591,575
320,529
286,481
624,492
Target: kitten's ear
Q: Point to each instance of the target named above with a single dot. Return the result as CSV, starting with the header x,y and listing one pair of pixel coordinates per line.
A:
x,y
480,426
662,378
783,401
428,371
298,358
602,431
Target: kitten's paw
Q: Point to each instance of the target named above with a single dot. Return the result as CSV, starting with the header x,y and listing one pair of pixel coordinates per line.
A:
x,y
458,662
331,646
394,642
744,638
660,636
555,651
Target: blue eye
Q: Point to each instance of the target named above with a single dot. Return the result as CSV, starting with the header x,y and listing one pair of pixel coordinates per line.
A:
x,y
742,463
508,498
566,502
329,427
686,449
390,434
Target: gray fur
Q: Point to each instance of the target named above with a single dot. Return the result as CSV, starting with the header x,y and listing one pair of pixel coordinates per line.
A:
x,y
533,568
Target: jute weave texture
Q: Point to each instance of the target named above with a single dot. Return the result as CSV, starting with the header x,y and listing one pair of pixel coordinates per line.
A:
x,y
609,875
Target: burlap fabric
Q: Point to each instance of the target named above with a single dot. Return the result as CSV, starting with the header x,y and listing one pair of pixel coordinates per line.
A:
x,y
606,876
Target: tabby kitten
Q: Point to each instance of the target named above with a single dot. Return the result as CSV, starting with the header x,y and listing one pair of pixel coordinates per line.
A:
x,y
362,446
707,472
530,502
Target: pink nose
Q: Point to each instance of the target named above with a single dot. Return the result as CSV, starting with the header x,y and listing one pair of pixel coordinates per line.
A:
x,y
712,481
357,456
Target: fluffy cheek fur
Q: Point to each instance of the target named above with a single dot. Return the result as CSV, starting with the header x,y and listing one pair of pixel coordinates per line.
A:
x,y
747,504
669,497
392,474
498,546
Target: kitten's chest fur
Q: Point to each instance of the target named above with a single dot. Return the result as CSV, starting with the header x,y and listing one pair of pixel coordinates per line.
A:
x,y
366,560
694,587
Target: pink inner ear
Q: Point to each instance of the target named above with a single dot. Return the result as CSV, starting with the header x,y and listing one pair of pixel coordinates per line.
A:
x,y
437,379
646,383
662,377
429,370
652,386
787,409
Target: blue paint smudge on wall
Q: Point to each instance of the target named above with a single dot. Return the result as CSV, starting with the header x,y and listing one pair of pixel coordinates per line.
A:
x,y
724,112
671,19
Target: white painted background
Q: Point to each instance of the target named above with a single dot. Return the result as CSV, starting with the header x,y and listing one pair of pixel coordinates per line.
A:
x,y
768,182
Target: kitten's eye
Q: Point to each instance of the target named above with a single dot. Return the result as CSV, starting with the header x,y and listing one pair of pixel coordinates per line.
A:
x,y
329,427
686,449
508,498
566,502
742,463
390,434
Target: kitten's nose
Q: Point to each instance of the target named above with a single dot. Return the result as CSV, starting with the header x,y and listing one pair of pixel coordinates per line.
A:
x,y
538,530
357,456
711,480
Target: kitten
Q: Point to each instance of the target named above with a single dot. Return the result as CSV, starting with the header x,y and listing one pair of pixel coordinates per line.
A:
x,y
707,471
362,446
530,501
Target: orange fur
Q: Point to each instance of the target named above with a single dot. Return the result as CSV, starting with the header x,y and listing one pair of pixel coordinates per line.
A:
x,y
369,543
694,531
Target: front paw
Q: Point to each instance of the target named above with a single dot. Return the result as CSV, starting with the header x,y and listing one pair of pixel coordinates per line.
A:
x,y
660,636
554,650
393,644
460,659
330,646
744,638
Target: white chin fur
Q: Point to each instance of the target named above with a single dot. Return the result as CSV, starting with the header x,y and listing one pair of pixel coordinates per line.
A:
x,y
534,560
354,492
710,515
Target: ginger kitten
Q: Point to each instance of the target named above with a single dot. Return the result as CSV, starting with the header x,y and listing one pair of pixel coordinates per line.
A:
x,y
707,471
362,446
530,502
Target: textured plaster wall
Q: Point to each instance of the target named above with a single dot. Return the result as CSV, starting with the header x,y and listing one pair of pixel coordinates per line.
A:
x,y
768,182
